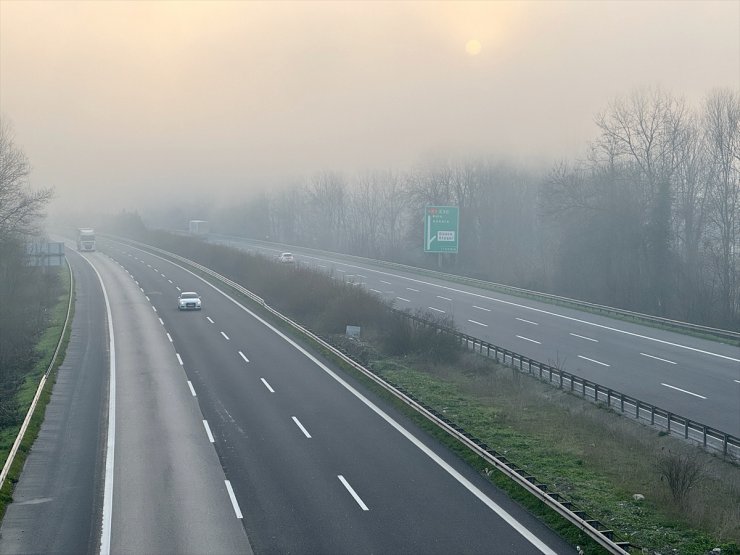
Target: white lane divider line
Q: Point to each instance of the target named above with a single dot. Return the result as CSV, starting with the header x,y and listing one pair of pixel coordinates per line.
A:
x,y
443,298
658,358
148,265
321,265
169,337
154,308
340,270
234,502
267,385
404,300
584,337
136,282
481,308
386,282
164,276
412,289
376,291
528,339
683,390
226,337
736,381
170,281
352,493
192,389
176,287
208,431
436,309
209,319
141,289
179,359
478,323
594,361
161,321
243,356
155,269
147,298
528,321
298,423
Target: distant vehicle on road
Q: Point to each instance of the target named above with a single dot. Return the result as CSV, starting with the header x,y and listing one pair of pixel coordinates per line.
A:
x,y
189,300
198,227
286,258
85,239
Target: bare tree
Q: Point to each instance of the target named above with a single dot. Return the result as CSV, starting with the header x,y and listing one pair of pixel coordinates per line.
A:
x,y
20,207
722,131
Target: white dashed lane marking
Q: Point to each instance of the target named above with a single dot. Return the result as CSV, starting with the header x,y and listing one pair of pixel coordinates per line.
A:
x,y
298,423
528,321
208,431
226,337
404,300
528,339
436,309
243,356
478,323
683,390
481,308
584,337
267,385
192,389
179,358
234,502
443,298
658,358
209,319
353,493
412,289
594,361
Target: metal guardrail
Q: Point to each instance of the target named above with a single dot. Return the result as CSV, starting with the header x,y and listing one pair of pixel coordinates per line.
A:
x,y
554,500
710,438
516,291
27,420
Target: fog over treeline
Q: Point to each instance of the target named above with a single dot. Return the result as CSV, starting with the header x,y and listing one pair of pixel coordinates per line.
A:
x,y
648,219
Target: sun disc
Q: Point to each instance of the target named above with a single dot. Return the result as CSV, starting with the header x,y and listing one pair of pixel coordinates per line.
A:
x,y
473,47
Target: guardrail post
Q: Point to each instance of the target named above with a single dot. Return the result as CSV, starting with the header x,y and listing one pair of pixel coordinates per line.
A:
x,y
704,435
652,415
583,385
560,373
637,409
621,401
686,423
596,392
724,445
669,422
609,397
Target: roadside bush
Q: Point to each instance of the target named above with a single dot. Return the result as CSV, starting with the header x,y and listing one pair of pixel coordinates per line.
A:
x,y
681,472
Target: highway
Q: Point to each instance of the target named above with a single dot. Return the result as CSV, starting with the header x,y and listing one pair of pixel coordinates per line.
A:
x,y
212,432
692,377
316,463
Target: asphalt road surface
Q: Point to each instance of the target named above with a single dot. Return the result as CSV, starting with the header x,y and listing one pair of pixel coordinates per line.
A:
x,y
316,463
692,377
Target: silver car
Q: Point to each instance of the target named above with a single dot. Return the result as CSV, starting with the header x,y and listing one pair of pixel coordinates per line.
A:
x,y
189,300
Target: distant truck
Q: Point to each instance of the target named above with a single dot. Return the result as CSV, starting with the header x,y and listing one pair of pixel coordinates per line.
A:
x,y
85,239
198,227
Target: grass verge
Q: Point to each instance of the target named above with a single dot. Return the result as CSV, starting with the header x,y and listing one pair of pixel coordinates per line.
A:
x,y
45,351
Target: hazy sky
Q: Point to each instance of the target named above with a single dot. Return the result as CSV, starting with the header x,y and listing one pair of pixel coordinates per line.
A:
x,y
127,101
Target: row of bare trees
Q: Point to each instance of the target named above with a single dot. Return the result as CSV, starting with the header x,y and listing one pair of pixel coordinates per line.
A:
x,y
26,293
649,220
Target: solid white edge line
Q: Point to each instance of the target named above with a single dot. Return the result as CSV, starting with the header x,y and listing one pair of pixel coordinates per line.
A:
x,y
501,512
527,321
267,385
192,389
110,448
592,360
226,337
298,423
179,359
683,390
658,358
584,337
479,323
208,431
353,493
234,502
243,356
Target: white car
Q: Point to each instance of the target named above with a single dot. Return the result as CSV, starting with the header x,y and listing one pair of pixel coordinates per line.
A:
x,y
286,258
189,300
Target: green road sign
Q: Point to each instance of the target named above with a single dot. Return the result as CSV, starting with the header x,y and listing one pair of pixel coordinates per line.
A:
x,y
441,226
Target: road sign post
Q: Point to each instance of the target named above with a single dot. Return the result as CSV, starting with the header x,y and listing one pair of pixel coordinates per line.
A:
x,y
441,228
